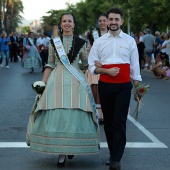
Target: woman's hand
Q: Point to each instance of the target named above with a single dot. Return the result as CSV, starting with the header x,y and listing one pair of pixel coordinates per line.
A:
x,y
98,64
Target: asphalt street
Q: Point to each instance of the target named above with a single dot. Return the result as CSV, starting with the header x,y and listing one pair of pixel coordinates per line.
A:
x,y
148,140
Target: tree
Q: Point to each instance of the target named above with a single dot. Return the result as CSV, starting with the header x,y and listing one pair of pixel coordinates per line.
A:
x,y
153,14
11,10
25,29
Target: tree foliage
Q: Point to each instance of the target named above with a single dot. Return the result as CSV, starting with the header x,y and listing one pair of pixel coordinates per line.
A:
x,y
10,10
25,29
153,14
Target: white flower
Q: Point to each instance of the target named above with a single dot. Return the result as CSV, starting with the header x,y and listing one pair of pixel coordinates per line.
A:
x,y
39,83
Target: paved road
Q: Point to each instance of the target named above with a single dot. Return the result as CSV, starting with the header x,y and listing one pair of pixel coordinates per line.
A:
x,y
148,140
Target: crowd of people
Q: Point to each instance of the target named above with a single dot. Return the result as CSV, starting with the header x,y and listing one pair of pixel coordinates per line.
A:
x,y
154,52
31,49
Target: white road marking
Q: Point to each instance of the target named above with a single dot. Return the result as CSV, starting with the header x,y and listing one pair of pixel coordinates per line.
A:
x,y
154,144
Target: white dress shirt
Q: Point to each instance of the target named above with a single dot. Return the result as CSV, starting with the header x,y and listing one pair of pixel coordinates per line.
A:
x,y
121,49
46,41
39,41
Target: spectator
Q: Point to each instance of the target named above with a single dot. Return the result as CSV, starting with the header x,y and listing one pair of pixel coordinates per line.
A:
x,y
4,43
141,51
156,43
148,40
165,71
14,47
141,34
164,55
157,66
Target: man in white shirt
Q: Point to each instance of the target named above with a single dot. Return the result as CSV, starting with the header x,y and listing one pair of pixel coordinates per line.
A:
x,y
115,57
44,52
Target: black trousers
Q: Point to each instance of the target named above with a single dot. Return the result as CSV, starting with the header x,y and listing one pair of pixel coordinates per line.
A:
x,y
13,53
115,100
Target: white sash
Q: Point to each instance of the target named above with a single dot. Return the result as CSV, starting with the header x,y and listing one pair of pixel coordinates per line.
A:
x,y
95,35
30,41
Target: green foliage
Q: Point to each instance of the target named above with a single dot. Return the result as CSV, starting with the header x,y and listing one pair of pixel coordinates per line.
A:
x,y
153,14
25,29
11,10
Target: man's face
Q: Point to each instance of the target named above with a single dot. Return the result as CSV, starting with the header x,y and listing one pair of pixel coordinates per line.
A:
x,y
114,21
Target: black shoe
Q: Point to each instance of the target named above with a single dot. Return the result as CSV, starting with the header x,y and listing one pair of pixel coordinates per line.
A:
x,y
70,156
61,160
108,162
115,166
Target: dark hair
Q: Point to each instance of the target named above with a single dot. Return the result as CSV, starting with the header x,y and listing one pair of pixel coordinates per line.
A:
x,y
102,15
137,36
45,33
148,31
30,32
115,10
74,20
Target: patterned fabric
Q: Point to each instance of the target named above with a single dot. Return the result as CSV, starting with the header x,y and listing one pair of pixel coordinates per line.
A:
x,y
65,122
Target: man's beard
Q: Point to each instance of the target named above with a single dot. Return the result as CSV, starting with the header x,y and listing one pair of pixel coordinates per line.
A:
x,y
114,29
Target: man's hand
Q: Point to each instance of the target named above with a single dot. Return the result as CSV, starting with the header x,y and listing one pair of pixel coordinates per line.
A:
x,y
113,71
136,99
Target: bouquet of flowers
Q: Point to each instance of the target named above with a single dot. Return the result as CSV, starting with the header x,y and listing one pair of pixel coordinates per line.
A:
x,y
139,91
38,87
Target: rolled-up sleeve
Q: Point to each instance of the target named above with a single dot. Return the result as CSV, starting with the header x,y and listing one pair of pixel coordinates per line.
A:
x,y
93,56
134,63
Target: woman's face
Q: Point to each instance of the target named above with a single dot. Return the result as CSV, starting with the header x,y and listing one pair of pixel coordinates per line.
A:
x,y
67,24
102,22
136,39
31,35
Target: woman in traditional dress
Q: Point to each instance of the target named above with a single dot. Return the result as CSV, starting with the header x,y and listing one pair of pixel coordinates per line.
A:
x,y
66,122
93,79
31,58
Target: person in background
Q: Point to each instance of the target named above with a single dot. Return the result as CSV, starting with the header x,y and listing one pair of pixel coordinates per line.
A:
x,y
148,40
14,47
163,48
20,47
44,53
40,47
156,43
165,71
93,79
66,119
32,58
118,55
157,67
4,44
141,34
141,51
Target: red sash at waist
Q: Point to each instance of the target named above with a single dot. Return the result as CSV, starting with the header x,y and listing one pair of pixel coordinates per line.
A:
x,y
122,77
